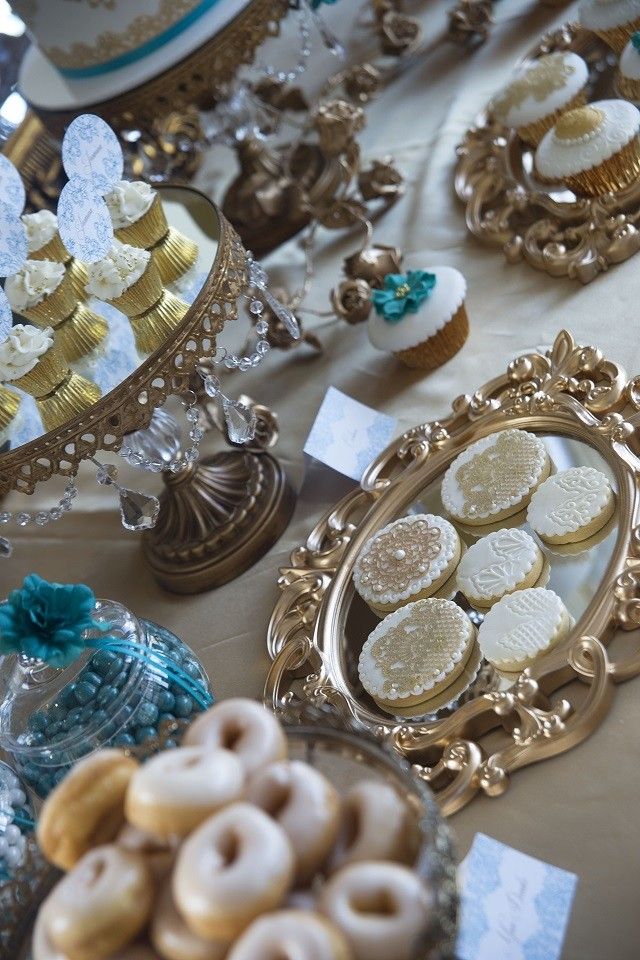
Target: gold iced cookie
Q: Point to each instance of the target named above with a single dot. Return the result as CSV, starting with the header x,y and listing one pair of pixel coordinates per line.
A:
x,y
500,563
408,559
522,626
416,652
571,506
495,477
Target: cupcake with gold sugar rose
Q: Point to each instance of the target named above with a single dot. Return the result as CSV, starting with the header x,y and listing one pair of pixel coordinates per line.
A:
x,y
31,361
139,219
628,73
593,149
129,280
612,20
43,291
540,93
420,316
45,243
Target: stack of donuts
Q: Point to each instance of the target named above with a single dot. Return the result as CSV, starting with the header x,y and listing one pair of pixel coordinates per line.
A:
x,y
224,849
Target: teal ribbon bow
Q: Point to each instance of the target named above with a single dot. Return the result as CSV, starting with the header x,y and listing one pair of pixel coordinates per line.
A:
x,y
403,293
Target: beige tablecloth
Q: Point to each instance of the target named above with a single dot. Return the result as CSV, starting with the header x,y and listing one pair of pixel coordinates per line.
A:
x,y
578,811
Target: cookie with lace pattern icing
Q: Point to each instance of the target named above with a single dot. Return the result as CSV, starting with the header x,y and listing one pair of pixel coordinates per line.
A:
x,y
522,626
495,477
407,560
498,564
416,652
571,506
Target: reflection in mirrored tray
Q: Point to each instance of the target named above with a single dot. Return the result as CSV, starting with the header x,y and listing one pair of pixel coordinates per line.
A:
x,y
573,571
117,356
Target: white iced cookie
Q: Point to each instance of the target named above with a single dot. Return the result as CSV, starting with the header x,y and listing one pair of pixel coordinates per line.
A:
x,y
495,477
41,228
571,506
503,561
33,282
416,652
408,559
522,626
128,201
22,349
115,273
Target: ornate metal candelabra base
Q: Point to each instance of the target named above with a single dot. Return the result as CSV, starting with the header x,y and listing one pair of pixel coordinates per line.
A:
x,y
217,518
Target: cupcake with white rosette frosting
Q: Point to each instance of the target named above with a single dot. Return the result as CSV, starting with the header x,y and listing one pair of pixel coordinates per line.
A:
x,y
139,219
31,361
45,243
43,291
628,73
129,280
420,316
611,20
593,149
542,90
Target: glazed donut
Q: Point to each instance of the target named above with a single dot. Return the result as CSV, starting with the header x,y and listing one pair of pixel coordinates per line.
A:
x,y
100,906
306,806
43,949
173,939
176,790
235,866
291,935
381,908
86,809
158,854
242,726
300,900
376,825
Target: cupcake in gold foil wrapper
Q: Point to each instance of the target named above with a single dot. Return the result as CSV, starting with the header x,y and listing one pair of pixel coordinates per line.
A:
x,y
45,243
628,73
612,20
129,280
44,292
594,149
31,361
139,220
9,406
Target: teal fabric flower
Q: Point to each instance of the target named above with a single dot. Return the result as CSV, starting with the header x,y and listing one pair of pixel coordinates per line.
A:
x,y
635,40
403,293
47,620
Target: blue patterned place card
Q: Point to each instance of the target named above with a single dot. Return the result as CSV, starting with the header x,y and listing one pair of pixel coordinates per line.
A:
x,y
513,907
347,435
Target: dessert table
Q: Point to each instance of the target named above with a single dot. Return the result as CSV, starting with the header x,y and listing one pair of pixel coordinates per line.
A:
x,y
577,810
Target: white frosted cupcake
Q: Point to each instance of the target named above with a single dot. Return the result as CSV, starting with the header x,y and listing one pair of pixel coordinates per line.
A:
x,y
415,653
628,74
523,626
540,93
420,316
612,20
409,559
128,279
139,219
593,149
500,563
44,243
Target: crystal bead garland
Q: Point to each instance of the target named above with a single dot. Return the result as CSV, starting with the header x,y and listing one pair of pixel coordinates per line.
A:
x,y
41,518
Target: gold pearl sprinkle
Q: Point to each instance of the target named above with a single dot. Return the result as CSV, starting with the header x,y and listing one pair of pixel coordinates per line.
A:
x,y
579,123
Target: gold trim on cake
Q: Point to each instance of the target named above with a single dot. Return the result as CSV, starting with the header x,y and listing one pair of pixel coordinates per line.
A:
x,y
439,348
9,405
173,253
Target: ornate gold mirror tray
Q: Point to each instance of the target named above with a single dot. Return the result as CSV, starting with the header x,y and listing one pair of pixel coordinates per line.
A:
x,y
547,225
578,410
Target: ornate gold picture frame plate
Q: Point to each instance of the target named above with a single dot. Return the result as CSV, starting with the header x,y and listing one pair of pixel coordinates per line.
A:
x,y
549,228
570,391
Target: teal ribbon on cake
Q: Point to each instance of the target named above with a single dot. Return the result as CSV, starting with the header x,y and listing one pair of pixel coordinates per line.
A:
x,y
132,56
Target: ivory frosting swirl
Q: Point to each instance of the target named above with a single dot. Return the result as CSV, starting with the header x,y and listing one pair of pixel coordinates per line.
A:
x,y
34,281
128,201
41,228
20,352
119,270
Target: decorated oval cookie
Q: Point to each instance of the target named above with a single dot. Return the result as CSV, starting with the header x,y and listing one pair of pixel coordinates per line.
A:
x,y
571,506
416,652
499,563
495,477
408,559
522,626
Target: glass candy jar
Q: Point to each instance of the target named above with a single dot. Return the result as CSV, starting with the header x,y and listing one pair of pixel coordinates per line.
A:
x,y
16,822
117,693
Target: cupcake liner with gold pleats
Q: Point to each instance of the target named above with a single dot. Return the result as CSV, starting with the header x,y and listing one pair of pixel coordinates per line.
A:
x,y
618,37
437,349
173,253
80,333
9,404
615,173
153,328
59,393
533,133
55,250
141,295
56,306
627,88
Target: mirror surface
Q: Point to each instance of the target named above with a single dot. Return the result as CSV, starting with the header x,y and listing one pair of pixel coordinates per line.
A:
x,y
573,571
116,358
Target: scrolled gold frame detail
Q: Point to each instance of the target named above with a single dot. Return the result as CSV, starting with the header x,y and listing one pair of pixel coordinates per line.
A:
x,y
578,239
130,405
571,390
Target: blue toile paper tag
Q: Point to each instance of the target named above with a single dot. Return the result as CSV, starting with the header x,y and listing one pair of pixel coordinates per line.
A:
x,y
91,154
513,907
84,222
347,435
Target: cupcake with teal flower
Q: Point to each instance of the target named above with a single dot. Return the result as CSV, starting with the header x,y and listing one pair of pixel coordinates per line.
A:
x,y
420,316
628,74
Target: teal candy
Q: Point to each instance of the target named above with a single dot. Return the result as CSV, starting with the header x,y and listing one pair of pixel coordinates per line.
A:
x,y
38,722
184,706
123,740
392,306
85,691
165,700
55,713
191,669
144,733
115,668
91,677
68,695
147,714
107,695
166,718
102,662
